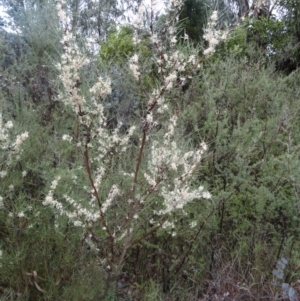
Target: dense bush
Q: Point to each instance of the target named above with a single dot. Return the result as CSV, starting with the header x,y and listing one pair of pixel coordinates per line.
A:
x,y
248,115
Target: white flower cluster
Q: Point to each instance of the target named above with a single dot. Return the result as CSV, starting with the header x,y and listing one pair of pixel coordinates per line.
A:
x,y
174,66
76,213
105,140
99,137
4,133
102,87
158,97
88,215
168,224
180,195
212,35
89,241
114,191
133,65
21,214
67,138
171,128
12,148
170,170
91,111
19,141
169,157
3,173
61,11
72,62
79,215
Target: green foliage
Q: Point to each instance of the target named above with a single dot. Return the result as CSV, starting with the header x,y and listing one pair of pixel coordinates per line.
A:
x,y
116,52
193,18
276,39
267,35
268,32
120,47
249,116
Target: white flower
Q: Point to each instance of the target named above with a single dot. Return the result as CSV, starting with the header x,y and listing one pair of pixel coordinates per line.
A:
x,y
114,191
54,183
20,139
11,187
214,16
102,87
206,195
77,223
173,166
169,80
3,173
9,125
1,202
67,138
133,65
193,224
24,173
48,200
21,214
192,59
203,146
168,224
213,36
134,59
149,117
214,42
154,38
173,40
208,51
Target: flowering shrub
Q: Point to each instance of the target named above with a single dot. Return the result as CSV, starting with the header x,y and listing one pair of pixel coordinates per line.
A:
x,y
10,154
160,179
